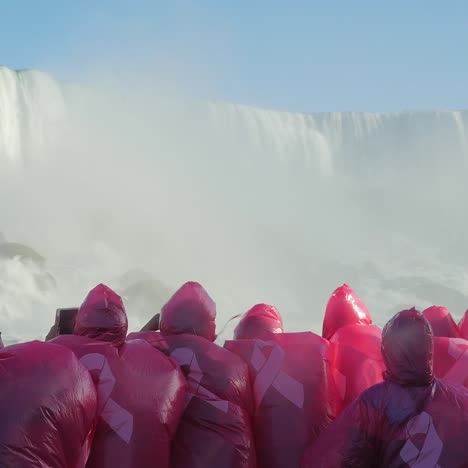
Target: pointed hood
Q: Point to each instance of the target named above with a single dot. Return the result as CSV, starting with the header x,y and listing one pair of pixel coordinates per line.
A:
x,y
259,322
463,326
442,322
407,349
190,310
102,316
344,308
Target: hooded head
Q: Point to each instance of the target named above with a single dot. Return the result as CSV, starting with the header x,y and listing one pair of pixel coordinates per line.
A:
x,y
190,310
407,349
463,326
442,322
344,308
102,316
259,322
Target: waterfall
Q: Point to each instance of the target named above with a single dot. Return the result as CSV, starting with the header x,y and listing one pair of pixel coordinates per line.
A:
x,y
258,205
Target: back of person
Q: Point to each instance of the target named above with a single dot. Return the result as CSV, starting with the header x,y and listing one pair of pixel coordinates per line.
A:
x,y
293,392
355,343
451,360
47,407
463,326
356,360
216,426
442,322
140,391
450,351
410,420
344,308
259,323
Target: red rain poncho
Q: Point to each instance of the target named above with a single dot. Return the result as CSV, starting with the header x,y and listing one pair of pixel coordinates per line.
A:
x,y
344,308
450,351
47,407
293,392
260,322
355,344
356,360
190,310
216,428
451,360
442,322
463,326
140,391
410,420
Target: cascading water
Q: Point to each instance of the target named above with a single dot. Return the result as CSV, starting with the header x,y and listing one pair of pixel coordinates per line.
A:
x,y
32,112
144,189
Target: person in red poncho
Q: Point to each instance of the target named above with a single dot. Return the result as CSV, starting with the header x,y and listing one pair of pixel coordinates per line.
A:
x,y
410,420
450,350
140,391
48,407
260,322
344,308
293,391
355,344
442,322
463,326
215,430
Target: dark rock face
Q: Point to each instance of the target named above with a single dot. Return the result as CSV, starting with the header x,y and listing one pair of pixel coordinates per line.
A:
x,y
143,294
10,250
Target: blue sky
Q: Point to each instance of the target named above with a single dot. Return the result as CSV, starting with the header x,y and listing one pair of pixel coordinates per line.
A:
x,y
292,55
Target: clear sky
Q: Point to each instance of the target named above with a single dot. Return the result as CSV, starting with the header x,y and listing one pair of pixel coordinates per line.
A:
x,y
294,55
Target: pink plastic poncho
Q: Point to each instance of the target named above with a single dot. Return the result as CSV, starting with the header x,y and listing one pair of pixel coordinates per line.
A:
x,y
216,426
442,322
261,321
344,308
47,407
140,391
451,360
356,360
410,420
294,394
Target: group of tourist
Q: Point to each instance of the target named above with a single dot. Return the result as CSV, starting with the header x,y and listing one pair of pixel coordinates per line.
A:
x,y
169,396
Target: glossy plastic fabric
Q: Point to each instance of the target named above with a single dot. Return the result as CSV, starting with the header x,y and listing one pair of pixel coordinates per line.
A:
x,y
216,426
442,322
47,407
410,420
463,326
140,391
344,308
102,316
408,349
451,360
259,322
190,310
140,401
293,391
356,360
393,426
